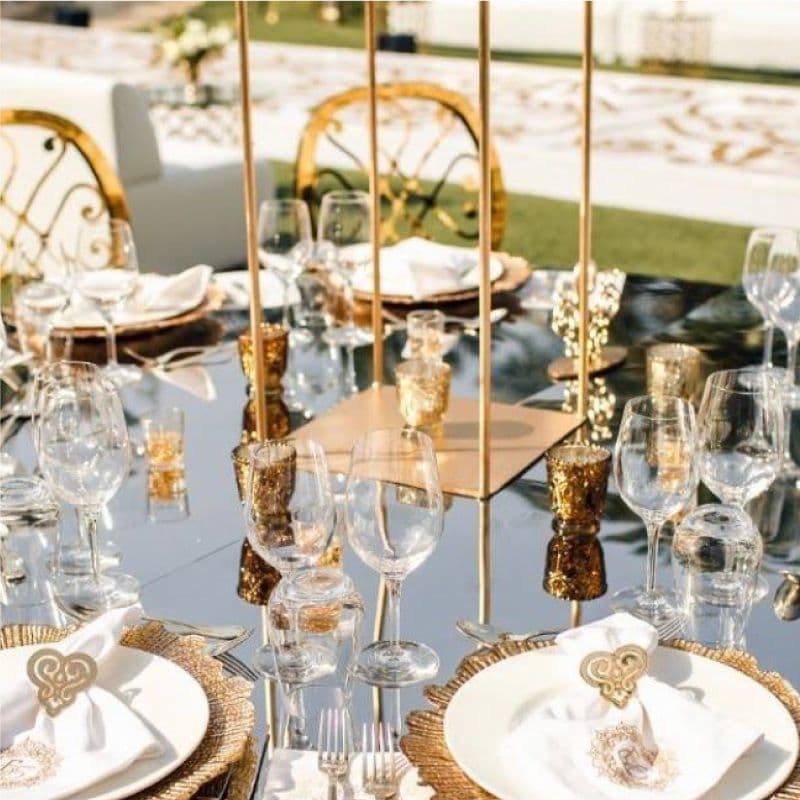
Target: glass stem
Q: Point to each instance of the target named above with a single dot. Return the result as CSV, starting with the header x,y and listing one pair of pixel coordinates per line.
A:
x,y
769,337
285,319
350,369
393,587
349,319
87,518
111,339
653,530
791,363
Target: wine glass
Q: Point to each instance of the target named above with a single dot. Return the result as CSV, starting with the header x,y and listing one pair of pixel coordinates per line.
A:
x,y
394,511
84,454
754,273
740,433
107,274
656,473
288,509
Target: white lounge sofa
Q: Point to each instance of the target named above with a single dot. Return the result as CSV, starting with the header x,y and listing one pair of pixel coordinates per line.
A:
x,y
185,199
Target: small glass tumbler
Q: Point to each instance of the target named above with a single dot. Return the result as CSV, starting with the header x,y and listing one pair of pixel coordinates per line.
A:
x,y
575,568
423,391
577,476
716,557
164,440
425,332
29,526
673,370
276,351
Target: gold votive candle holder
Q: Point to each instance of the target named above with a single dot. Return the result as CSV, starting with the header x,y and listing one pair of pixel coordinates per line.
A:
x,y
240,455
164,440
425,332
276,347
423,391
278,420
577,477
673,370
270,482
575,567
257,579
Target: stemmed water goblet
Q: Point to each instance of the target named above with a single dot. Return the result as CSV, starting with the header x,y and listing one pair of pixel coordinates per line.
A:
x,y
344,237
84,455
394,514
656,473
106,276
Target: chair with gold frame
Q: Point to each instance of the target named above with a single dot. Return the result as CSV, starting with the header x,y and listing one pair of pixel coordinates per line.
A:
x,y
428,161
52,176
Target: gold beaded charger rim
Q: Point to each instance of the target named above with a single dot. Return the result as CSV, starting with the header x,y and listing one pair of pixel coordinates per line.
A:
x,y
213,301
425,748
231,713
516,271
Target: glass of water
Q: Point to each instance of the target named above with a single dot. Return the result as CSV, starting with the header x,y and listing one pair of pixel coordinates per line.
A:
x,y
716,557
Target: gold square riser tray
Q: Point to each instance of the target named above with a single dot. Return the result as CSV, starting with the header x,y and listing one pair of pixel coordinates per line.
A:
x,y
520,436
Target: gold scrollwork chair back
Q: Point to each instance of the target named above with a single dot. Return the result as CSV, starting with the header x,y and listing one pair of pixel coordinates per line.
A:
x,y
52,176
428,161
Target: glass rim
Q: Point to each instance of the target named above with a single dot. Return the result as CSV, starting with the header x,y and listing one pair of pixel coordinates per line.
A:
x,y
555,453
657,351
413,366
345,196
714,379
636,402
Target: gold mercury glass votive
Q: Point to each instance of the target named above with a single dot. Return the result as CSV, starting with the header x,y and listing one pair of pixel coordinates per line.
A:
x,y
276,345
164,440
257,579
423,391
575,568
673,370
425,332
577,476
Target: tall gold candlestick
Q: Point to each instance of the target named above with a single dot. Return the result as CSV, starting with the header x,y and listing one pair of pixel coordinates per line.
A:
x,y
484,245
374,192
585,237
250,220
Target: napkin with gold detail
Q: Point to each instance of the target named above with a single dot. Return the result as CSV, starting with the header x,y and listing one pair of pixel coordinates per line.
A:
x,y
60,726
618,733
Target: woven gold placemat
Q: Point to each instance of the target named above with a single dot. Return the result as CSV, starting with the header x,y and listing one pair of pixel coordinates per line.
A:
x,y
425,747
231,712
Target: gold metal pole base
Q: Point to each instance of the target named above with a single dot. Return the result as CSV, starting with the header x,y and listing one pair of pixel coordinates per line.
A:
x,y
565,369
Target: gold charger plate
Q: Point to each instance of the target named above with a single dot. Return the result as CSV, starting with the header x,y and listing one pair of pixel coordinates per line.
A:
x,y
425,747
213,302
231,712
516,271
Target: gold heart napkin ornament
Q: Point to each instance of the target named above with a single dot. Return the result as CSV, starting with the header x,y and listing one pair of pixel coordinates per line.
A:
x,y
615,674
59,678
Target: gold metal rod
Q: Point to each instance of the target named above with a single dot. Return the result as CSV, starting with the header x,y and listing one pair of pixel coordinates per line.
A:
x,y
270,690
375,197
377,636
484,562
484,246
250,212
585,235
575,613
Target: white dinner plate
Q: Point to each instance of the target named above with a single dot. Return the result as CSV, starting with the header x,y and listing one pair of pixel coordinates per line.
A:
x,y
236,285
166,697
483,711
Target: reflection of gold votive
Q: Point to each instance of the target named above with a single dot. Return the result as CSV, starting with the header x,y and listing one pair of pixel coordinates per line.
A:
x,y
575,567
257,579
276,344
240,455
165,484
673,370
278,422
423,391
577,476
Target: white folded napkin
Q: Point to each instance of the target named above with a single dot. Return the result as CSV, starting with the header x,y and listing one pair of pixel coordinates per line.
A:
x,y
193,379
163,293
663,744
294,775
95,737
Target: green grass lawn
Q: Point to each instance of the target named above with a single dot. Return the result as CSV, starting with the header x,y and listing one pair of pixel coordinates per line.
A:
x,y
545,231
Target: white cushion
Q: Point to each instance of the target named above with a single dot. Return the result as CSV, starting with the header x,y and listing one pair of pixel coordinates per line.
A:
x,y
114,114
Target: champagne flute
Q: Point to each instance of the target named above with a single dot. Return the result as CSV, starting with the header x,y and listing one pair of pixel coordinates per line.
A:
x,y
754,273
740,433
656,473
84,454
394,514
107,274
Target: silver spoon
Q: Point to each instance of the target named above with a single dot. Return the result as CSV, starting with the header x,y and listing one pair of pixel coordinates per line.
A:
x,y
486,633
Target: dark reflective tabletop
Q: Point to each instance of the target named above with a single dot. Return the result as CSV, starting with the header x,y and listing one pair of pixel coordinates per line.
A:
x,y
189,569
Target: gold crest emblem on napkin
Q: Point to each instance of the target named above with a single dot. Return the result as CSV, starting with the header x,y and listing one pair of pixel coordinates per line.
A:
x,y
60,679
615,674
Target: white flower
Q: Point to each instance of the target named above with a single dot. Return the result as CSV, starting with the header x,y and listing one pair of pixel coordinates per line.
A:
x,y
196,26
191,43
170,50
220,35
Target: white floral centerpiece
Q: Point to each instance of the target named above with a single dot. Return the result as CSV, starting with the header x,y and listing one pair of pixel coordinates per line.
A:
x,y
188,42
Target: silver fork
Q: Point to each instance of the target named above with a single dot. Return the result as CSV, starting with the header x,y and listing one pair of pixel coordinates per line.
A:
x,y
333,748
378,766
236,666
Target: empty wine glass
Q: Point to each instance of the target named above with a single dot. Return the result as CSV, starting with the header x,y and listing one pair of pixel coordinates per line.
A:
x,y
106,275
740,433
84,454
754,273
394,512
656,474
345,234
